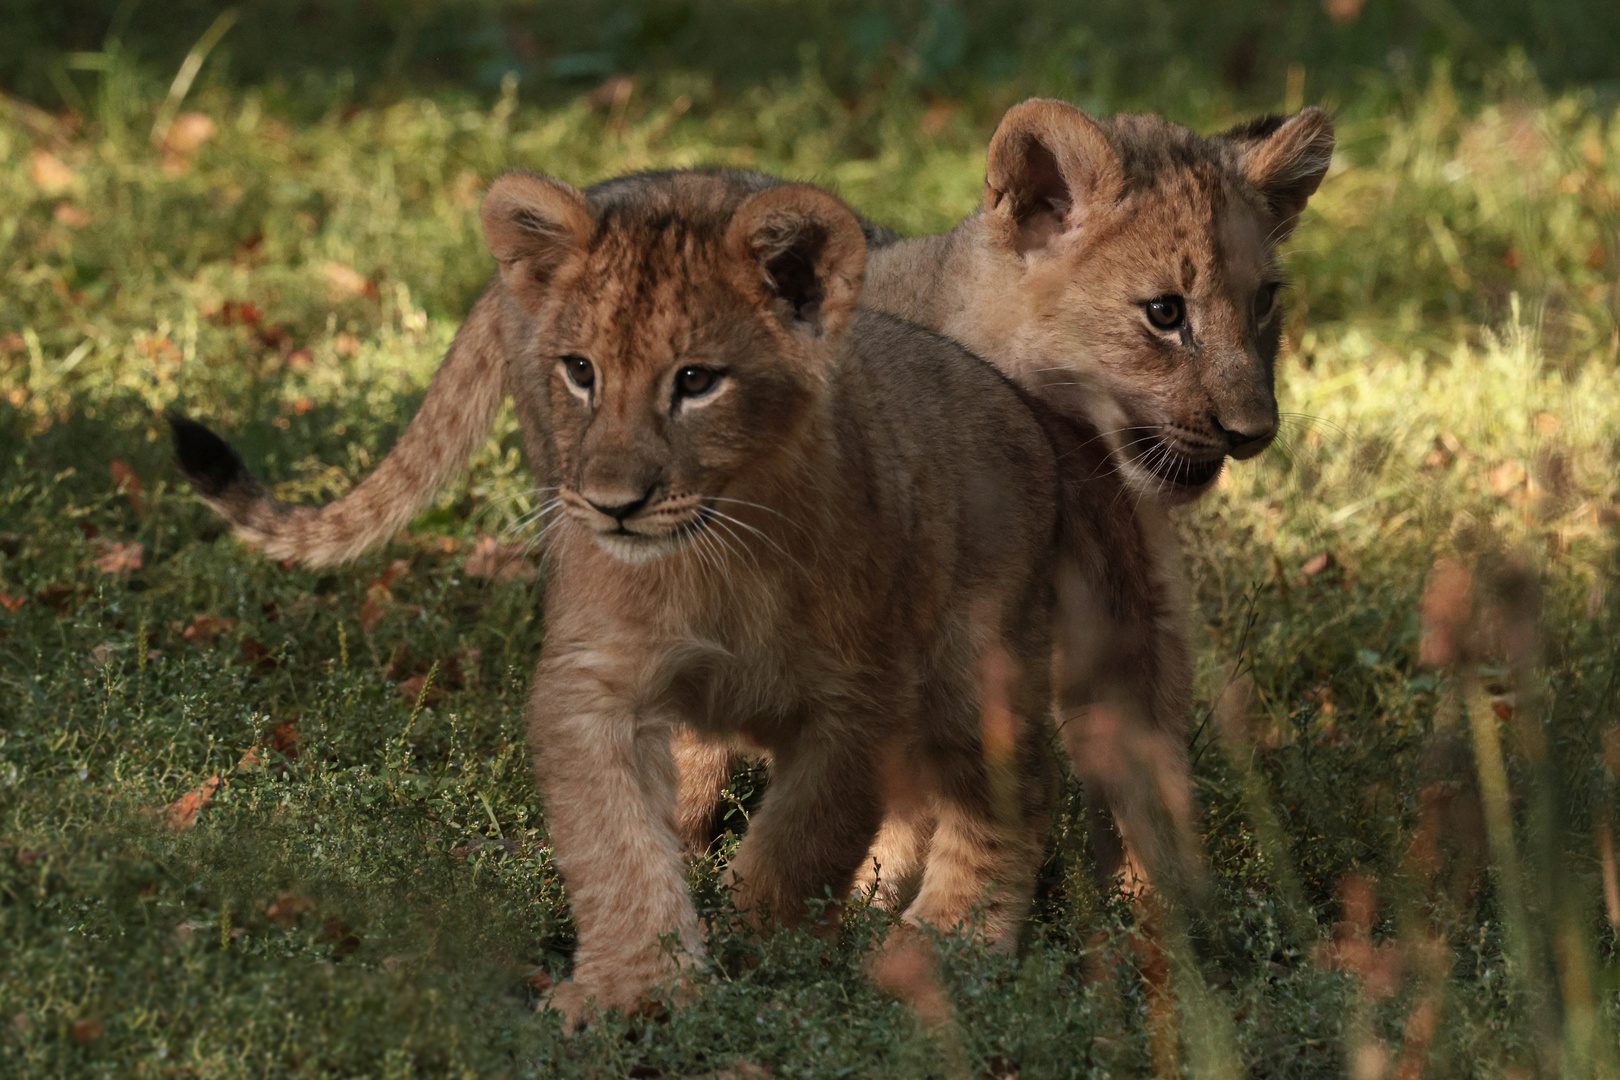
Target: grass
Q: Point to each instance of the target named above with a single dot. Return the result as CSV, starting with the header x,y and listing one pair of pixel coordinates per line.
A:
x,y
1410,857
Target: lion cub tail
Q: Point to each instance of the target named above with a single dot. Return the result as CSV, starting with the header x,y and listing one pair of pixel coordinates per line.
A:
x,y
455,418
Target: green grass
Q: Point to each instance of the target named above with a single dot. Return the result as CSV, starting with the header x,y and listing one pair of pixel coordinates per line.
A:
x,y
339,907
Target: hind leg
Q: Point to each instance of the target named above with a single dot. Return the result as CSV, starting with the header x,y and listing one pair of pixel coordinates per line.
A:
x,y
994,810
703,770
814,827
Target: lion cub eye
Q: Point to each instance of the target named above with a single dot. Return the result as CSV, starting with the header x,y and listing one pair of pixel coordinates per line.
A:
x,y
1265,302
695,381
580,372
1166,312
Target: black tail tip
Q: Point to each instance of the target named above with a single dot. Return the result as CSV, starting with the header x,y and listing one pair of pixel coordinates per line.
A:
x,y
207,460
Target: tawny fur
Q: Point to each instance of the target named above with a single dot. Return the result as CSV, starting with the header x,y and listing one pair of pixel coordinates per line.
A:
x,y
841,556
786,560
1083,221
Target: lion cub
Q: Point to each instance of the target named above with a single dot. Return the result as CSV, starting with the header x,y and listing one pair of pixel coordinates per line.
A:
x,y
823,535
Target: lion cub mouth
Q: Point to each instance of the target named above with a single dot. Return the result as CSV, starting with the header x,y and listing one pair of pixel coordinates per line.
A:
x,y
650,533
1181,472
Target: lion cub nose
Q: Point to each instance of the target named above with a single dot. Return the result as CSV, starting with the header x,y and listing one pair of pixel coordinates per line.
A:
x,y
1247,436
615,504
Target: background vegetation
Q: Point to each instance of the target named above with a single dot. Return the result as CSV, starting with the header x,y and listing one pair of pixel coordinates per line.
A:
x,y
257,822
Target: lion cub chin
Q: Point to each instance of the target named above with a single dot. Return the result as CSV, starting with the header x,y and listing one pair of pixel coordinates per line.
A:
x,y
823,535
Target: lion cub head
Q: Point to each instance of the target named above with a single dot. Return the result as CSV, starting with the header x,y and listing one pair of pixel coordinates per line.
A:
x,y
1130,268
684,325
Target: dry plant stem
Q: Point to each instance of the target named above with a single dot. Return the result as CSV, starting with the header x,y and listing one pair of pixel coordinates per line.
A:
x,y
1494,794
1272,840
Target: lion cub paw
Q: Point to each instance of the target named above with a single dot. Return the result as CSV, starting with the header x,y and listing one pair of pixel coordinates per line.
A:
x,y
580,1003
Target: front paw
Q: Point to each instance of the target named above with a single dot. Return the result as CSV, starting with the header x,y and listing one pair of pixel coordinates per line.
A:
x,y
574,1002
580,1003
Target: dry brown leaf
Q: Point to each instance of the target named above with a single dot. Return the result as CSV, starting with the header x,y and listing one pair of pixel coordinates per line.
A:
x,y
188,132
412,689
49,173
121,558
1317,563
87,1032
344,282
256,653
342,936
205,628
125,480
181,814
286,908
938,115
1343,12
495,561
73,217
12,603
1506,477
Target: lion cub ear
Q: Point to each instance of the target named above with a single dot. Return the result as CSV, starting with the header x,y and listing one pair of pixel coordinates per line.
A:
x,y
1285,159
1048,165
534,226
801,251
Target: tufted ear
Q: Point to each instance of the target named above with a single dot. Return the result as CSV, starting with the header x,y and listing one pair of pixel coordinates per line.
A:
x,y
534,226
1285,159
1048,166
803,251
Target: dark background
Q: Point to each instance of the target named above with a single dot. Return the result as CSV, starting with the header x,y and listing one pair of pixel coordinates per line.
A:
x,y
1112,51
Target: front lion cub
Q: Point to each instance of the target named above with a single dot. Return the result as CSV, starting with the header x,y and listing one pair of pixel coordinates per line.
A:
x,y
822,535
816,534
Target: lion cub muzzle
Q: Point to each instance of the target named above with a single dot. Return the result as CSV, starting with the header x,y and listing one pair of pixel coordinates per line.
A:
x,y
636,528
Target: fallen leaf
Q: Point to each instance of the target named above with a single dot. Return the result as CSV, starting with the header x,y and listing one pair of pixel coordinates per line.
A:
x,y
205,628
188,132
937,116
255,653
181,814
346,345
285,740
1344,12
125,480
1506,477
342,936
1317,563
494,561
345,282
73,217
286,908
301,360
412,689
121,558
371,613
12,603
48,173
245,312
102,653
87,1032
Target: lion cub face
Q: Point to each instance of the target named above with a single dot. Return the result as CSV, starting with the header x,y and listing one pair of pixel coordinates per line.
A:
x,y
1138,276
687,349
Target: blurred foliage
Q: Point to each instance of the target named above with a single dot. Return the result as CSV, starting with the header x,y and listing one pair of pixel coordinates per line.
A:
x,y
1107,53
